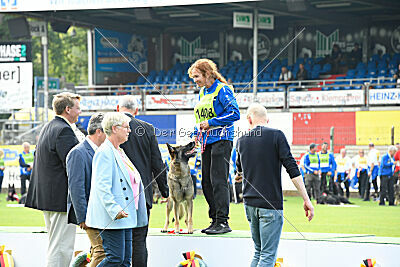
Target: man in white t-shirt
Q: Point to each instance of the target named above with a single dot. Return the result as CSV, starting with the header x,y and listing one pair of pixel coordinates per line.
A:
x,y
361,165
343,168
373,169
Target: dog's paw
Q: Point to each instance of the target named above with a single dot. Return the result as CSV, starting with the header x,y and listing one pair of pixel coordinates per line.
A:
x,y
164,230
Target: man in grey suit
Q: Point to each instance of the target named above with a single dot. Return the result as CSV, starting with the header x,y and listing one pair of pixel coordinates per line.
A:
x,y
79,170
48,187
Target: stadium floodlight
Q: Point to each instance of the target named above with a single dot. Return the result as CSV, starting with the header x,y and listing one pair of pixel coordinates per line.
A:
x,y
183,15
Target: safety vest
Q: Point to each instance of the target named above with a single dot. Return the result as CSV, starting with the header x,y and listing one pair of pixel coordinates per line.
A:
x,y
1,165
204,110
341,163
313,160
324,159
362,162
28,158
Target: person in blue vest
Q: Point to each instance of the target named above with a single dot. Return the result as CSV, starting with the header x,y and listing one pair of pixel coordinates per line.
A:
x,y
328,167
215,114
2,168
25,164
312,166
387,179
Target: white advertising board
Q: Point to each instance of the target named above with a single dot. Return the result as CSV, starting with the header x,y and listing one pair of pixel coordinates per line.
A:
x,y
270,99
326,98
171,101
16,80
384,96
103,102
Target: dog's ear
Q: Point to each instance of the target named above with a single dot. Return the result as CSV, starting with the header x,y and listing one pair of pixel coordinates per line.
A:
x,y
171,150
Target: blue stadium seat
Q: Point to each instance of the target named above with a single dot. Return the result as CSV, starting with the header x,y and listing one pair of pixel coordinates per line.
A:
x,y
314,75
361,73
386,57
392,64
382,64
326,68
382,72
351,73
375,57
360,66
316,67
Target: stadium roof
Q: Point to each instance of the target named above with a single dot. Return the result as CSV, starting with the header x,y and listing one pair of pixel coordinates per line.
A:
x,y
152,21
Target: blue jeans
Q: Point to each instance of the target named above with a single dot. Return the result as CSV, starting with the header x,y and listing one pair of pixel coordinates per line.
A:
x,y
117,244
266,227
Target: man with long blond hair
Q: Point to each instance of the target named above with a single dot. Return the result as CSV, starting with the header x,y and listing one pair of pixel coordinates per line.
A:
x,y
215,114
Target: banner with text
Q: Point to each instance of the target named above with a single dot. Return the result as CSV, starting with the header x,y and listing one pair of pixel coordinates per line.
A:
x,y
109,45
16,85
270,99
104,102
384,96
326,98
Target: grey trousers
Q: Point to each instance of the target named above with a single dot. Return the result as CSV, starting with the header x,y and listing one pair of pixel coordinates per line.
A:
x,y
313,182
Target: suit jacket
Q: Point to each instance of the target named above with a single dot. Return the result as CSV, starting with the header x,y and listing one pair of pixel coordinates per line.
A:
x,y
79,170
111,191
48,186
142,149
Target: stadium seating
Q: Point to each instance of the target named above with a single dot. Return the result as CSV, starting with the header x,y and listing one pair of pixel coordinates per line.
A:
x,y
241,73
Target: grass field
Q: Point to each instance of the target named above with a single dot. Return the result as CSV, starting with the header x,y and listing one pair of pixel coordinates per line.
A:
x,y
368,218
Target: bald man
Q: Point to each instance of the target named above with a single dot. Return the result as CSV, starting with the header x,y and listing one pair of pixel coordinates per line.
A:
x,y
263,151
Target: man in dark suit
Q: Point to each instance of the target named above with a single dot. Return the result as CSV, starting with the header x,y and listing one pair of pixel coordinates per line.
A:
x,y
142,149
79,170
49,184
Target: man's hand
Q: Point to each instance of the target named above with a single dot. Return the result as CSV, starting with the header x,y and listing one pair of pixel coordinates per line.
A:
x,y
29,169
358,174
316,172
309,209
204,125
121,214
83,225
329,173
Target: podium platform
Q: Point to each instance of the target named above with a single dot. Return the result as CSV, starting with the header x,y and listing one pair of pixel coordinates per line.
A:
x,y
29,244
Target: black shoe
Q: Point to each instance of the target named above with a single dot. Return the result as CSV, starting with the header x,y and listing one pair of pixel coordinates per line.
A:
x,y
209,227
219,228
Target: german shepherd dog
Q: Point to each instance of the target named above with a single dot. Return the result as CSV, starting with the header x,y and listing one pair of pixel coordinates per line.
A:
x,y
180,184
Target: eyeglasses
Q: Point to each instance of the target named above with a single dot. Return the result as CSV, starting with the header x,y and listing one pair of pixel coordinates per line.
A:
x,y
126,127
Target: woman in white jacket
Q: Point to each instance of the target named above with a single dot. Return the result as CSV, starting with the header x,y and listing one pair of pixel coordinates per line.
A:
x,y
117,203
